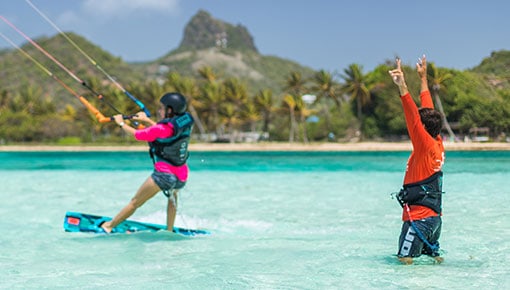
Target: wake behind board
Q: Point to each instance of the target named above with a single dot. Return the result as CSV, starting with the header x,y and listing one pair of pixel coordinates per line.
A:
x,y
88,223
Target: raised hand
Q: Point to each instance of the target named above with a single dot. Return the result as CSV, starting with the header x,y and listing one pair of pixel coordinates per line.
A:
x,y
398,77
421,67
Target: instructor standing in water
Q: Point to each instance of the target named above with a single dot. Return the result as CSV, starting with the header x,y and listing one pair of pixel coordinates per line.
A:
x,y
421,194
168,141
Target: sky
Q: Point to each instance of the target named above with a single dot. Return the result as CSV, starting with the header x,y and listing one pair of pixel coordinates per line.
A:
x,y
321,34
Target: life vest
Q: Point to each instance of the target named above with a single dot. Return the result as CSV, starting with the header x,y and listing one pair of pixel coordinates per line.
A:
x,y
427,192
173,149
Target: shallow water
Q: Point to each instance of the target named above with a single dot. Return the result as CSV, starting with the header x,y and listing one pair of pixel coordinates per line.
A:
x,y
293,220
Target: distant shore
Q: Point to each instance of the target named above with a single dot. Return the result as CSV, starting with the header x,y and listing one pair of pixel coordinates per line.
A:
x,y
267,146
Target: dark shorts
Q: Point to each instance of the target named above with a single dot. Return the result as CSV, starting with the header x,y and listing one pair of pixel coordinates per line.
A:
x,y
167,181
411,245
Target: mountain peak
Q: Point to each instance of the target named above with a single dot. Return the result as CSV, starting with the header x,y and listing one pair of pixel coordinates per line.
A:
x,y
203,31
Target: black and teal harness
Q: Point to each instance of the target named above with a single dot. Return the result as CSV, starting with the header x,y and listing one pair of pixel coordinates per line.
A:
x,y
427,193
173,149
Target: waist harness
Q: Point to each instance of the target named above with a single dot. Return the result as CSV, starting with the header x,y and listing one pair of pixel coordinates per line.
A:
x,y
427,192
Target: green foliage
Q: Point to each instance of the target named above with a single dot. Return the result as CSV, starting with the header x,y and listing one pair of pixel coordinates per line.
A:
x,y
69,141
17,127
386,108
497,64
17,71
370,128
233,88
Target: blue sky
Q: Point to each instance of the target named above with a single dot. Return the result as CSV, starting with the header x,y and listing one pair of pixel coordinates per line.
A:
x,y
321,34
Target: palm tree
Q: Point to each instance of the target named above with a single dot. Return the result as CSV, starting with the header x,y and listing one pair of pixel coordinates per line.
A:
x,y
325,86
437,78
290,102
264,102
207,73
295,87
355,87
303,113
295,84
235,92
211,100
230,118
251,115
236,96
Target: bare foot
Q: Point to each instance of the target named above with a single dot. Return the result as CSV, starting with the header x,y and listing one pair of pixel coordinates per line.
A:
x,y
406,260
106,227
439,260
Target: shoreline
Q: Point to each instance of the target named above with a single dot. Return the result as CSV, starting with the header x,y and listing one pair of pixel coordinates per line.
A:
x,y
263,146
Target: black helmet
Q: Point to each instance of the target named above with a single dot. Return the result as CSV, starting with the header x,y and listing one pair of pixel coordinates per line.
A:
x,y
175,101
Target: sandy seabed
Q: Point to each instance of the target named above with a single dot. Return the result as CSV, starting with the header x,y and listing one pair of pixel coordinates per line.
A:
x,y
269,146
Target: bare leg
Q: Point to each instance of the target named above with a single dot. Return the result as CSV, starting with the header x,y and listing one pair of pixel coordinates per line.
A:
x,y
438,260
171,211
144,193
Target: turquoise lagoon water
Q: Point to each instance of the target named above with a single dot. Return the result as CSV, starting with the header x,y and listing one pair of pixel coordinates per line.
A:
x,y
280,220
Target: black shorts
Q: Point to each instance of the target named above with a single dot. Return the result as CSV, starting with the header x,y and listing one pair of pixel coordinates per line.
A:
x,y
412,245
167,181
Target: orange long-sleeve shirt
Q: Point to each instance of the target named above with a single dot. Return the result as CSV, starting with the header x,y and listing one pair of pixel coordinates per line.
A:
x,y
427,156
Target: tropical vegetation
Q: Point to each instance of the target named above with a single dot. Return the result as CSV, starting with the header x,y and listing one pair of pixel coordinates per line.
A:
x,y
351,106
236,94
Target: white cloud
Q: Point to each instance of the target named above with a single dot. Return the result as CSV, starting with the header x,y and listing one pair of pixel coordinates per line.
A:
x,y
125,7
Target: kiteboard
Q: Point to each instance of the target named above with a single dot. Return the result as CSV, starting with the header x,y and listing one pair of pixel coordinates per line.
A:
x,y
88,223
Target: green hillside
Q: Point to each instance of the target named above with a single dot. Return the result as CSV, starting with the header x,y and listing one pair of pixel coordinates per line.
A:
x,y
17,71
496,69
245,91
236,58
229,50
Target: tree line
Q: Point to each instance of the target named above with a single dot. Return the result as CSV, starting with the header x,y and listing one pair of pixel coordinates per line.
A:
x,y
339,107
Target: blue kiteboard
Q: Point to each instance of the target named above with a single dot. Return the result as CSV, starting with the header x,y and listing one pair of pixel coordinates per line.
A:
x,y
88,223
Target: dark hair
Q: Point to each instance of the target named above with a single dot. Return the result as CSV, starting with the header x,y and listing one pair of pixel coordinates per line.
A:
x,y
432,119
